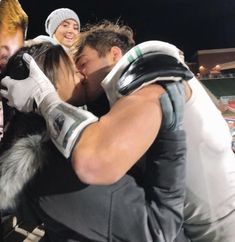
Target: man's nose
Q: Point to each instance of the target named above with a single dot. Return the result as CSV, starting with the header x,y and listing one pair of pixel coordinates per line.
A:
x,y
81,76
81,72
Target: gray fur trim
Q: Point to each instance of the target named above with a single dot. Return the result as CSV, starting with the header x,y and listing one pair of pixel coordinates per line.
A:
x,y
17,166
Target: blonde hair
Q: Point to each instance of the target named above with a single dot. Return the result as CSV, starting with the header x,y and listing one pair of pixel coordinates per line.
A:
x,y
12,16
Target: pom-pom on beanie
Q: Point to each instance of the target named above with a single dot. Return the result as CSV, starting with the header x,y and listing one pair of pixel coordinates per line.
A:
x,y
57,17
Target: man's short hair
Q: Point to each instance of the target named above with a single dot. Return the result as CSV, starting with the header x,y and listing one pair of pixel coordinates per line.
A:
x,y
103,36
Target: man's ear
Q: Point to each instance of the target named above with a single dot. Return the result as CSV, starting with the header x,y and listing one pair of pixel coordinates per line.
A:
x,y
116,53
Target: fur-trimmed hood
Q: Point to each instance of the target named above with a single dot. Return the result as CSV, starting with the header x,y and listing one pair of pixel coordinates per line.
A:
x,y
17,166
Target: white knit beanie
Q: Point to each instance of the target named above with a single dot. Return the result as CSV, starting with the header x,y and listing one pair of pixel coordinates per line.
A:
x,y
57,17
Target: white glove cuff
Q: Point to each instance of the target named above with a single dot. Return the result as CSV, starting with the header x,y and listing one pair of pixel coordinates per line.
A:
x,y
50,100
65,124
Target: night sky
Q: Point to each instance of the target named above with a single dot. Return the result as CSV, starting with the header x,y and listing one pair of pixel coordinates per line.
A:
x,y
189,24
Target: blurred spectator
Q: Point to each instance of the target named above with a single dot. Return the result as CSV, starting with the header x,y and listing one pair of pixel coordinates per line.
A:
x,y
13,28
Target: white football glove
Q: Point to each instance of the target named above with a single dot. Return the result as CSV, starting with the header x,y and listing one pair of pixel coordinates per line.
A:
x,y
22,94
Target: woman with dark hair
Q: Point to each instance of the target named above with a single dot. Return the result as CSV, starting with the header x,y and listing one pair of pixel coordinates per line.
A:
x,y
34,174
25,133
31,168
56,64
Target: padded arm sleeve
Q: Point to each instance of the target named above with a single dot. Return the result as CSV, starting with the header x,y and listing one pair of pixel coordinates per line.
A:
x,y
65,122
